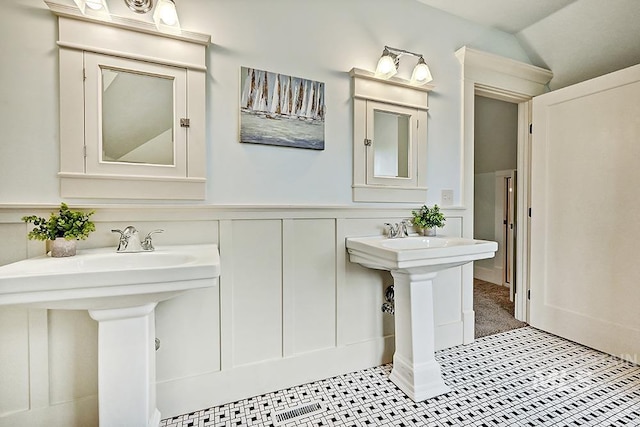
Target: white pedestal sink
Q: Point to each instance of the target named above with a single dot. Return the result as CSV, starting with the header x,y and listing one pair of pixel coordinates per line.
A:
x,y
414,262
120,291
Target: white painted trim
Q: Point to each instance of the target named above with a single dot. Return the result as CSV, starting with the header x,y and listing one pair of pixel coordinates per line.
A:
x,y
115,41
217,388
512,81
12,213
146,58
491,275
131,187
366,91
396,81
503,74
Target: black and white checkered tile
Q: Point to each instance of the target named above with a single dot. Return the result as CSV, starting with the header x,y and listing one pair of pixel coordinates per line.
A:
x,y
523,377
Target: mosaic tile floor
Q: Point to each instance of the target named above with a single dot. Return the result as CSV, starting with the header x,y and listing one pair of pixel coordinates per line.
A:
x,y
523,377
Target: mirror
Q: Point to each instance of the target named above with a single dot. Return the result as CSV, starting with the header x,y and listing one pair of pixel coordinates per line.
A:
x,y
391,144
137,118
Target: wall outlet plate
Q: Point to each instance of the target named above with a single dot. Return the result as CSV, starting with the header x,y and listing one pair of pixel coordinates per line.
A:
x,y
447,197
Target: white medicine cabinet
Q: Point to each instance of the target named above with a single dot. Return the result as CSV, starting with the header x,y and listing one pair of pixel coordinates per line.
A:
x,y
132,109
389,139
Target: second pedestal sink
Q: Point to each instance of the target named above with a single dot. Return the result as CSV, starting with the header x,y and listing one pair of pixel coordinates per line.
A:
x,y
120,291
414,262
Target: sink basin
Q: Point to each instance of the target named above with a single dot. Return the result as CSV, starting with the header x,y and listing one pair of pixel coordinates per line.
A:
x,y
120,291
102,278
417,253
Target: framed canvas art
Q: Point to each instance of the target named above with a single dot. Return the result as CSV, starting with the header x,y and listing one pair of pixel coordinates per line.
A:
x,y
276,109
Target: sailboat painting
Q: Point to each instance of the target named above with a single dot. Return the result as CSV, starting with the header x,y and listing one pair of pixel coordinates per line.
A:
x,y
276,109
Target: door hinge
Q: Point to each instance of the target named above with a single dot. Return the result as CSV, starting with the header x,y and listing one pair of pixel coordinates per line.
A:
x,y
84,151
530,127
529,294
367,142
185,122
529,212
84,74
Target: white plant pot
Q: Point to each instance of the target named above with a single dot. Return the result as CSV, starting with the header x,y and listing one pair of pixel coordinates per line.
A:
x,y
428,231
62,247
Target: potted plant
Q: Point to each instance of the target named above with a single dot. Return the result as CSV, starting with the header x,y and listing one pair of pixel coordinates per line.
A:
x,y
62,229
428,219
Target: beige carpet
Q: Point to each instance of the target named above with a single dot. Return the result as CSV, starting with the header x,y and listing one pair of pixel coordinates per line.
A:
x,y
494,310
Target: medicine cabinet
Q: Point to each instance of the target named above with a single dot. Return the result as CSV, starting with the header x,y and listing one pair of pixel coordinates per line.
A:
x,y
132,109
389,139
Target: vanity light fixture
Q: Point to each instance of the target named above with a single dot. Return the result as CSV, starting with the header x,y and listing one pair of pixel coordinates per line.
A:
x,y
390,59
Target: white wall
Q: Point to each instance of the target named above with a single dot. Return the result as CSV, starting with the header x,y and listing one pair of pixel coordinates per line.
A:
x,y
319,40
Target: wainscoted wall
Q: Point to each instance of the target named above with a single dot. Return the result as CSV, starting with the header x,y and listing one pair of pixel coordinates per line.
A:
x,y
290,308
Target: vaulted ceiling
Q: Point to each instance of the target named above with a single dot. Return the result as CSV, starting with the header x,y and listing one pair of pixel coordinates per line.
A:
x,y
576,39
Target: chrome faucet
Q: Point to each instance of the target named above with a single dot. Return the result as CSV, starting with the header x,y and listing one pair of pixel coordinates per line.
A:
x,y
399,229
130,240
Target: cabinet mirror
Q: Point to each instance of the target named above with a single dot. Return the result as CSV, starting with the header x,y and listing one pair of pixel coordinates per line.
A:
x,y
137,117
389,139
391,146
132,109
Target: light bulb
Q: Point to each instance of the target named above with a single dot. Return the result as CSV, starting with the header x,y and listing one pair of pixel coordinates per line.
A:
x,y
386,65
421,73
168,13
94,4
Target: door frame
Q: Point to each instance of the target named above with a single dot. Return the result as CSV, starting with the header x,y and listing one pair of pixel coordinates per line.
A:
x,y
512,81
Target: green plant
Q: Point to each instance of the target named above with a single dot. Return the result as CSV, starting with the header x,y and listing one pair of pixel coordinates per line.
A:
x,y
426,217
67,223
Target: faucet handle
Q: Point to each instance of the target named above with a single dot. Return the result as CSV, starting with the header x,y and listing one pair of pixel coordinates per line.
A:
x,y
147,244
153,232
402,231
393,230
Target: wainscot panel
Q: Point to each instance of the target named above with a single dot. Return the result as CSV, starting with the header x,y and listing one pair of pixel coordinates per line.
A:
x,y
290,308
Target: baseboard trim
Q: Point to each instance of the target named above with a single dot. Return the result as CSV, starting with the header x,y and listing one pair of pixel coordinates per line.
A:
x,y
190,394
75,413
491,275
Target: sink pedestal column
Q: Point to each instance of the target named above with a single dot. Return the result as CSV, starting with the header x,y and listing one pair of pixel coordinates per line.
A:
x,y
415,369
127,366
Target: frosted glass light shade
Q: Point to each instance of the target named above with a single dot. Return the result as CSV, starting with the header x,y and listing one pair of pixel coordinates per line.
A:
x,y
421,73
93,7
94,4
386,65
166,17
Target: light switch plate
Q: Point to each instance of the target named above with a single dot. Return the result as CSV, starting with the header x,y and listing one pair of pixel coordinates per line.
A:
x,y
447,197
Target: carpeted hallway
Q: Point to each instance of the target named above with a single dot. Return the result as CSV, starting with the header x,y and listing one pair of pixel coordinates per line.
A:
x,y
494,311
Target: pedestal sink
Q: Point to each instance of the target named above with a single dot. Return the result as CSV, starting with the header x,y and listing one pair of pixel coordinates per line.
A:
x,y
120,291
413,262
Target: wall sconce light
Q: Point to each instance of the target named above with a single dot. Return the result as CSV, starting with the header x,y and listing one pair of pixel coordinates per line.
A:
x,y
390,59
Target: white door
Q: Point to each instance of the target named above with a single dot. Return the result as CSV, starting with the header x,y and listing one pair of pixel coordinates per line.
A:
x,y
585,218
